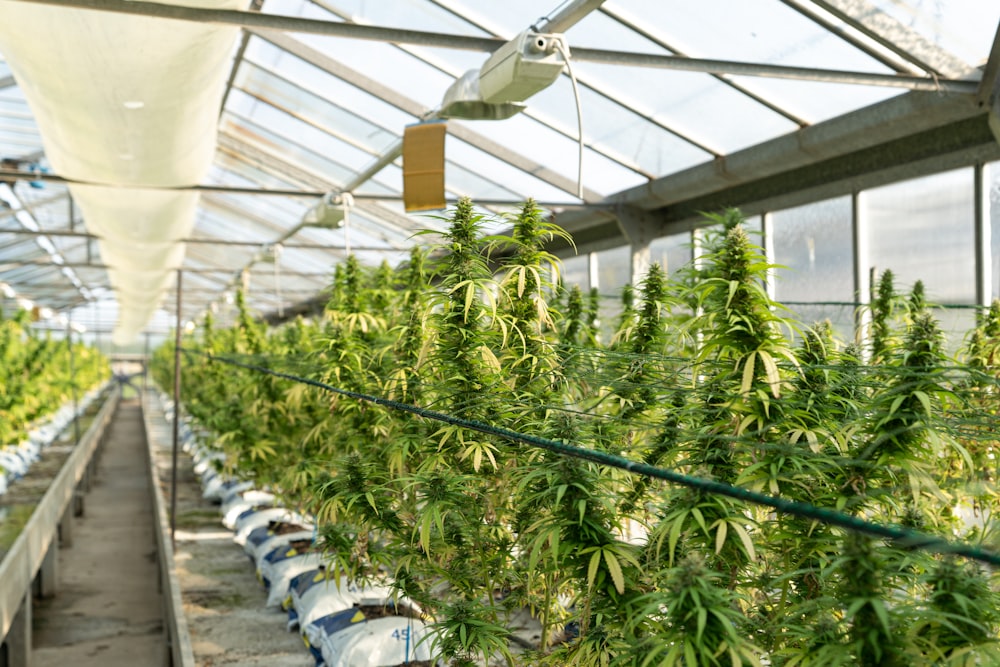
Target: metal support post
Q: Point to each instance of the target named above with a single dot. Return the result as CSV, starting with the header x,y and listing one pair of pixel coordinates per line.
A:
x,y
15,649
984,262
72,375
862,271
767,242
639,227
145,367
177,412
593,272
47,578
66,526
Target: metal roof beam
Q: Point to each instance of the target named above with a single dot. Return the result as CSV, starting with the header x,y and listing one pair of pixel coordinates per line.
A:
x,y
370,171
896,37
619,159
854,37
990,82
586,82
391,220
414,108
644,31
207,241
567,15
896,139
41,203
260,23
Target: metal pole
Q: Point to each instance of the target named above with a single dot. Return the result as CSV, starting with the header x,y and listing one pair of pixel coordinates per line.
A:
x,y
72,375
145,368
177,413
568,15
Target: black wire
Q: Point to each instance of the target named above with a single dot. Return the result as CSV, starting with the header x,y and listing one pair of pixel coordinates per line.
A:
x,y
901,536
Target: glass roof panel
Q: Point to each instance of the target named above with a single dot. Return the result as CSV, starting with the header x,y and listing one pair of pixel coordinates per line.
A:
x,y
293,153
818,101
511,16
964,28
325,84
521,182
764,31
223,222
16,247
237,171
16,122
265,115
614,128
409,14
77,253
557,152
312,108
387,65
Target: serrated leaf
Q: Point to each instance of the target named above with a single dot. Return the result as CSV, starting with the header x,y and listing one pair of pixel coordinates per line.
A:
x,y
748,372
615,568
924,400
745,539
674,537
771,370
595,562
720,536
700,518
733,286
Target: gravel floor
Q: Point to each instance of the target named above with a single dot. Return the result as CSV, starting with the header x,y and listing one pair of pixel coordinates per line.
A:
x,y
223,601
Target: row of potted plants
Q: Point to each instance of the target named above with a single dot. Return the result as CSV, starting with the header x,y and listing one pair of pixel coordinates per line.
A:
x,y
705,375
39,378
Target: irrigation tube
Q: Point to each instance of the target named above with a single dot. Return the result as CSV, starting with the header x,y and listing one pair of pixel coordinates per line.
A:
x,y
902,537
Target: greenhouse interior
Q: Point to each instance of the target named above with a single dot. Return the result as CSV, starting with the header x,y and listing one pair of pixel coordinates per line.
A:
x,y
601,333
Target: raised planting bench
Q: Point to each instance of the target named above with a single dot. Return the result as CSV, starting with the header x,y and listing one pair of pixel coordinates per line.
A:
x,y
31,565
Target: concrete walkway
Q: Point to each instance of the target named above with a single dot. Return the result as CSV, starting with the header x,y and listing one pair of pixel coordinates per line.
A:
x,y
108,610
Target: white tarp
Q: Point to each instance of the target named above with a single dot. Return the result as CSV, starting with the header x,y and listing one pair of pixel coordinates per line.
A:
x,y
125,101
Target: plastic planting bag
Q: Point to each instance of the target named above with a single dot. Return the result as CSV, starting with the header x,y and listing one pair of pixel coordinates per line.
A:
x,y
250,521
238,504
279,571
13,462
216,486
317,594
369,637
279,539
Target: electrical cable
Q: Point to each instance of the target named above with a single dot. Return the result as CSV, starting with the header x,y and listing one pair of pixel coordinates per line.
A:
x,y
901,536
561,47
276,250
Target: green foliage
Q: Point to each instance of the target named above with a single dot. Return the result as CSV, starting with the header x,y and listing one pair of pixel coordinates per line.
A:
x,y
37,375
701,377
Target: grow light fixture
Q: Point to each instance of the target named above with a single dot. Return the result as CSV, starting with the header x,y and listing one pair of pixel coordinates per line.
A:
x,y
329,213
525,65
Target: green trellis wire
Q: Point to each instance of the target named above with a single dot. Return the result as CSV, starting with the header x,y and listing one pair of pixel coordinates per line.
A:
x,y
902,537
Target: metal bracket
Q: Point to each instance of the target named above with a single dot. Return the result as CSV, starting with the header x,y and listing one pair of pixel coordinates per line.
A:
x,y
639,227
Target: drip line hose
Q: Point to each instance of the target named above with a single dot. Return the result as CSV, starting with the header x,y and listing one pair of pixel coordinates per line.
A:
x,y
902,537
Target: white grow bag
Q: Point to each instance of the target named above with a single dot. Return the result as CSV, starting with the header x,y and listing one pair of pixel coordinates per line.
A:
x,y
279,572
317,596
272,542
246,500
246,523
348,639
